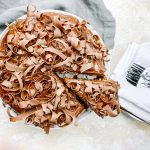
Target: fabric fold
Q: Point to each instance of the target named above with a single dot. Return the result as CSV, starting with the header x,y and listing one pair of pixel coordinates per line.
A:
x,y
132,98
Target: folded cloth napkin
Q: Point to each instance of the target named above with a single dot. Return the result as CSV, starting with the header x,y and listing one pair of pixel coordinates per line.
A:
x,y
94,11
136,100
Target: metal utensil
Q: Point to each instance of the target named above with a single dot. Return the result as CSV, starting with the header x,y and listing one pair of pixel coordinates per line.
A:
x,y
135,115
138,76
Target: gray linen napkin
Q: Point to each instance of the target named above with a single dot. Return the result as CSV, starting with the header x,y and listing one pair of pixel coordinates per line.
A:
x,y
94,11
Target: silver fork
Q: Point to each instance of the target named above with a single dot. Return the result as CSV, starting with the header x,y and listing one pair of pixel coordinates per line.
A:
x,y
135,115
138,76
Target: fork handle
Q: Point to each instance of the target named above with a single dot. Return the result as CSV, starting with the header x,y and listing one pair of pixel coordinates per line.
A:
x,y
135,115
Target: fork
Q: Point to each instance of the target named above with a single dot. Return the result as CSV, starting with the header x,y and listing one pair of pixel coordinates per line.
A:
x,y
138,76
135,115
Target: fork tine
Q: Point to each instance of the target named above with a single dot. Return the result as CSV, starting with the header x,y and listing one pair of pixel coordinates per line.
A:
x,y
134,74
131,81
138,66
135,79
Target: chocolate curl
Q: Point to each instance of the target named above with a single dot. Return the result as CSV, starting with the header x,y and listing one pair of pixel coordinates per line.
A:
x,y
99,95
86,67
55,51
7,98
75,86
22,116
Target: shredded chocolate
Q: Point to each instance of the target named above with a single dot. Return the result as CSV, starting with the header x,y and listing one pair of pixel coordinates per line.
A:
x,y
62,41
99,95
32,49
41,98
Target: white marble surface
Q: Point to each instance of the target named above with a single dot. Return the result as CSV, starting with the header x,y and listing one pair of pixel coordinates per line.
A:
x,y
93,133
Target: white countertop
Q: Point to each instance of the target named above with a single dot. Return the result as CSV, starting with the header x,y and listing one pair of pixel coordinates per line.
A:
x,y
93,133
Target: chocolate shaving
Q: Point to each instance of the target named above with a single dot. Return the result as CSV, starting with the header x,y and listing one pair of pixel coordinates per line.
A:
x,y
99,95
37,98
32,49
46,34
